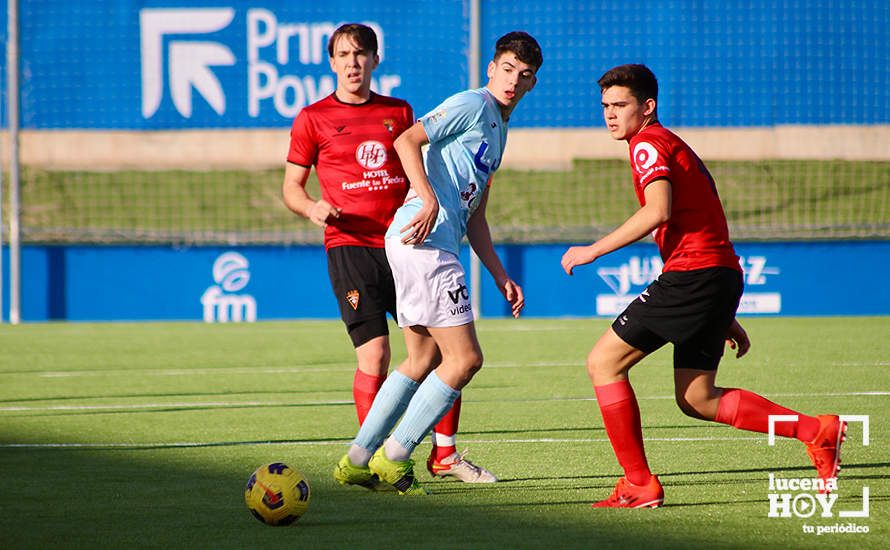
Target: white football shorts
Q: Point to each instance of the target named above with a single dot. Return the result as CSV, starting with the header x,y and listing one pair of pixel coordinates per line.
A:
x,y
431,289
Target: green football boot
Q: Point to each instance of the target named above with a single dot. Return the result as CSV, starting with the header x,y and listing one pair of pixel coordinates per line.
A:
x,y
347,473
398,474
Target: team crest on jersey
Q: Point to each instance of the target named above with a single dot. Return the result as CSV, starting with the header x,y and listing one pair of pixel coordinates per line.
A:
x,y
352,298
388,124
371,154
644,156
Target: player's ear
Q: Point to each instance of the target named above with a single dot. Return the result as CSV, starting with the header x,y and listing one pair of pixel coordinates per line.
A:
x,y
375,62
490,71
650,107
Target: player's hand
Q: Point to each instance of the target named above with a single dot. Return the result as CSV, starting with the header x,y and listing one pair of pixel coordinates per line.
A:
x,y
320,212
513,293
737,339
577,255
421,225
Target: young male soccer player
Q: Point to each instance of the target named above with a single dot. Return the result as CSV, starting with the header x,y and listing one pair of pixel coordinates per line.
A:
x,y
449,191
349,137
692,304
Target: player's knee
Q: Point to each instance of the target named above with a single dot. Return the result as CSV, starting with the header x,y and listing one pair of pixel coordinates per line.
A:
x,y
376,365
688,407
457,371
472,362
374,356
592,362
694,405
598,368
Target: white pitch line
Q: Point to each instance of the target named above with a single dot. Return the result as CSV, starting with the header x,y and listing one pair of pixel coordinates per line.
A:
x,y
343,442
238,404
334,367
178,405
194,372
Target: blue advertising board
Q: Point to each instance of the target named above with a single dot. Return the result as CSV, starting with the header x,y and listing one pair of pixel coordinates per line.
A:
x,y
226,284
799,278
181,64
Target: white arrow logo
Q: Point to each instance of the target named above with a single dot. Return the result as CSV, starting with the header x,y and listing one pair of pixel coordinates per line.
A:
x,y
189,61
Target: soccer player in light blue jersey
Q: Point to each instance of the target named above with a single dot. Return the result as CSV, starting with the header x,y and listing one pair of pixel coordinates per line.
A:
x,y
450,182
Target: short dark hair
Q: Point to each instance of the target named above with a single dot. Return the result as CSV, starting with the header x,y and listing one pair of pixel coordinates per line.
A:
x,y
639,79
363,35
523,45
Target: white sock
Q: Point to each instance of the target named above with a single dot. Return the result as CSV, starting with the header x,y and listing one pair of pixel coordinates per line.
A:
x,y
442,440
359,456
395,450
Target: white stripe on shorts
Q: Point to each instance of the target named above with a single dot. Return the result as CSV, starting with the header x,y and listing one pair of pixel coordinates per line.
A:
x,y
431,289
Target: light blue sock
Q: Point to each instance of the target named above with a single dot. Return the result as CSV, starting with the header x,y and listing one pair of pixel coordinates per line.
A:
x,y
429,405
388,406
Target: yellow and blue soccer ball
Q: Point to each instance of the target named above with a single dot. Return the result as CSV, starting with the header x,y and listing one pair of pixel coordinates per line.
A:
x,y
277,494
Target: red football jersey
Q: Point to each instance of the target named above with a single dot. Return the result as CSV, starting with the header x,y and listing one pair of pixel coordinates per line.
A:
x,y
696,236
359,171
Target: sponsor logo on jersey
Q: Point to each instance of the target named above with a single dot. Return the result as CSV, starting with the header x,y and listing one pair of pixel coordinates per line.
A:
x,y
371,154
644,156
352,297
468,193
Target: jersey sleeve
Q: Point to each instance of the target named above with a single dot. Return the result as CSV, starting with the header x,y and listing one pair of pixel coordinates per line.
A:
x,y
407,120
303,142
650,159
456,114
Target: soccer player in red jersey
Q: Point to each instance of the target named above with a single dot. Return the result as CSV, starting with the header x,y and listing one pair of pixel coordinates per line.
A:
x,y
692,304
348,136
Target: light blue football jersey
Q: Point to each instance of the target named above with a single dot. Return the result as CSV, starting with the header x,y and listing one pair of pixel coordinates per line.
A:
x,y
467,140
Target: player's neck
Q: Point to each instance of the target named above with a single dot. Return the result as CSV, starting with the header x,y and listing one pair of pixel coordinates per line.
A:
x,y
647,122
505,111
356,98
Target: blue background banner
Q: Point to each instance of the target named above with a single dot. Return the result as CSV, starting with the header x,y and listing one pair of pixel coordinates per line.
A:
x,y
97,283
180,64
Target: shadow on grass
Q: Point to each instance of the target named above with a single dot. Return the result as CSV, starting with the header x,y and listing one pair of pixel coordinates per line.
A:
x,y
170,497
312,391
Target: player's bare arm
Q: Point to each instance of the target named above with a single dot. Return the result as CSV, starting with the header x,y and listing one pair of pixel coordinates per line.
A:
x,y
409,146
645,220
293,191
737,338
479,235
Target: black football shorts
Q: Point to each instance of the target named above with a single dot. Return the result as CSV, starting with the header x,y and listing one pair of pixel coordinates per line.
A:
x,y
690,309
364,290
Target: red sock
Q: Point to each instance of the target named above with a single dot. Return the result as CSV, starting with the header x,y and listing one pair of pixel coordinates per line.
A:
x,y
364,389
748,411
621,417
447,427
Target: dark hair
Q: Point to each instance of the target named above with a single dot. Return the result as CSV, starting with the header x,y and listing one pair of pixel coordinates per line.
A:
x,y
637,78
523,45
363,35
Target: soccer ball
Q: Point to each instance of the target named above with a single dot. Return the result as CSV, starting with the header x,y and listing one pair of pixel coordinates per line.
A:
x,y
277,494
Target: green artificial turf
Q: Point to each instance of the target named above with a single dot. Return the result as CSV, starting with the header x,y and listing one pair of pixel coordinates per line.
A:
x,y
143,436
